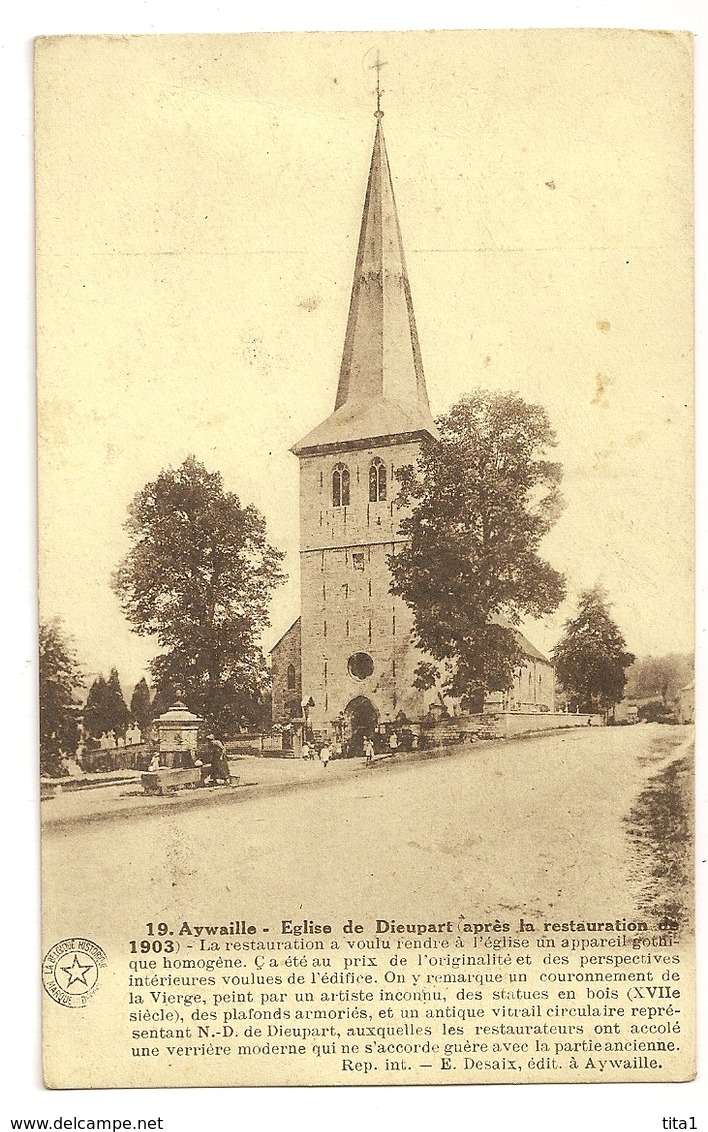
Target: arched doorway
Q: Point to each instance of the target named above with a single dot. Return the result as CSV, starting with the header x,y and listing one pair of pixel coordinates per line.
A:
x,y
362,718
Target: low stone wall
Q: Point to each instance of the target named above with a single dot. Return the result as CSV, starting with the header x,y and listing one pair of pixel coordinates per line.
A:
x,y
135,756
457,729
267,745
524,723
502,725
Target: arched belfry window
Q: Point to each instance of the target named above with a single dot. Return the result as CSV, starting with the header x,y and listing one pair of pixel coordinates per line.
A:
x,y
291,677
340,486
377,481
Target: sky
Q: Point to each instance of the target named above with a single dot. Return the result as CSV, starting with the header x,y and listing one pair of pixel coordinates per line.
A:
x,y
199,202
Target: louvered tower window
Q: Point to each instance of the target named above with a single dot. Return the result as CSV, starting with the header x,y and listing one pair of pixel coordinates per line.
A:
x,y
377,481
340,486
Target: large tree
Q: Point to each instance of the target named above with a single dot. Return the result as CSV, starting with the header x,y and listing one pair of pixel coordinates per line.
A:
x,y
119,715
591,658
199,576
141,706
165,696
106,712
59,679
482,499
97,713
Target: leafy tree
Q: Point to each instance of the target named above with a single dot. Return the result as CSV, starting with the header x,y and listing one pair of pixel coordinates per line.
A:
x,y
141,706
591,658
59,679
118,714
659,676
655,712
106,712
97,709
165,696
483,498
199,575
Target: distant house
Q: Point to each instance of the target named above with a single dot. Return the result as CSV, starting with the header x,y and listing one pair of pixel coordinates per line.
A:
x,y
625,712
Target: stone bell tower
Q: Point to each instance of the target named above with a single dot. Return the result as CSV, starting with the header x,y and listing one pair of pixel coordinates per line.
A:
x,y
358,661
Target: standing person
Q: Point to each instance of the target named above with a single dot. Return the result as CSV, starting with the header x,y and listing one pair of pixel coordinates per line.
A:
x,y
325,753
305,750
368,750
219,762
393,743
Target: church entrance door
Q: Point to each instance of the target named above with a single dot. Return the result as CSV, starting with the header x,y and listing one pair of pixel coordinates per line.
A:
x,y
362,718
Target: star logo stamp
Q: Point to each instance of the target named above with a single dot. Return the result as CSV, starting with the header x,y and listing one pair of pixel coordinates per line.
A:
x,y
70,971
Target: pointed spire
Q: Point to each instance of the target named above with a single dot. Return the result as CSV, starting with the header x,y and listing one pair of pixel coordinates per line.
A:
x,y
381,391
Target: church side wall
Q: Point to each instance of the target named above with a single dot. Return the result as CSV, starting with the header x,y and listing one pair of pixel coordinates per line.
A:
x,y
285,662
533,689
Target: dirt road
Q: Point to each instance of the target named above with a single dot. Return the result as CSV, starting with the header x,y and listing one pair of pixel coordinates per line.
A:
x,y
590,823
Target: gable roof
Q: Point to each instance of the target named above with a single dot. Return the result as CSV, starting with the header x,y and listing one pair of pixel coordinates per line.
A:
x,y
282,637
528,649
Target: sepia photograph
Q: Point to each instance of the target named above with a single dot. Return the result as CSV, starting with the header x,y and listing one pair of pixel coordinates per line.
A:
x,y
366,558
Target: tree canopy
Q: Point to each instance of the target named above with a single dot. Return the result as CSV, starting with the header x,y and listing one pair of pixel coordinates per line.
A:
x,y
119,714
106,712
659,676
96,721
482,499
164,697
591,658
199,576
141,706
60,678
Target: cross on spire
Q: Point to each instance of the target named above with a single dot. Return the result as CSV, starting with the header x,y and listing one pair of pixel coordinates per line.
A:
x,y
377,67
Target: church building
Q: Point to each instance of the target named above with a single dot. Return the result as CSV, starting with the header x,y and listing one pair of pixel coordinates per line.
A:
x,y
350,658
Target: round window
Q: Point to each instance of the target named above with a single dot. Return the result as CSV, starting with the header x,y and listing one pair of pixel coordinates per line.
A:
x,y
360,665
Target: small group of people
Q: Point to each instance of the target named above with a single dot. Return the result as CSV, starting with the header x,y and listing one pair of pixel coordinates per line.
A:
x,y
410,743
212,761
325,753
334,749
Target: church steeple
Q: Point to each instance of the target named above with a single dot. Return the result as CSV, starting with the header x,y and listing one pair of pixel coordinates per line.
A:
x,y
381,391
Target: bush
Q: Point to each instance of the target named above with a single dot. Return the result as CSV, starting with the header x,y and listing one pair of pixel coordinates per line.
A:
x,y
655,711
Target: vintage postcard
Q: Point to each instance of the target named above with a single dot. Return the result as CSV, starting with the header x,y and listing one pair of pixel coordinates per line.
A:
x,y
365,377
